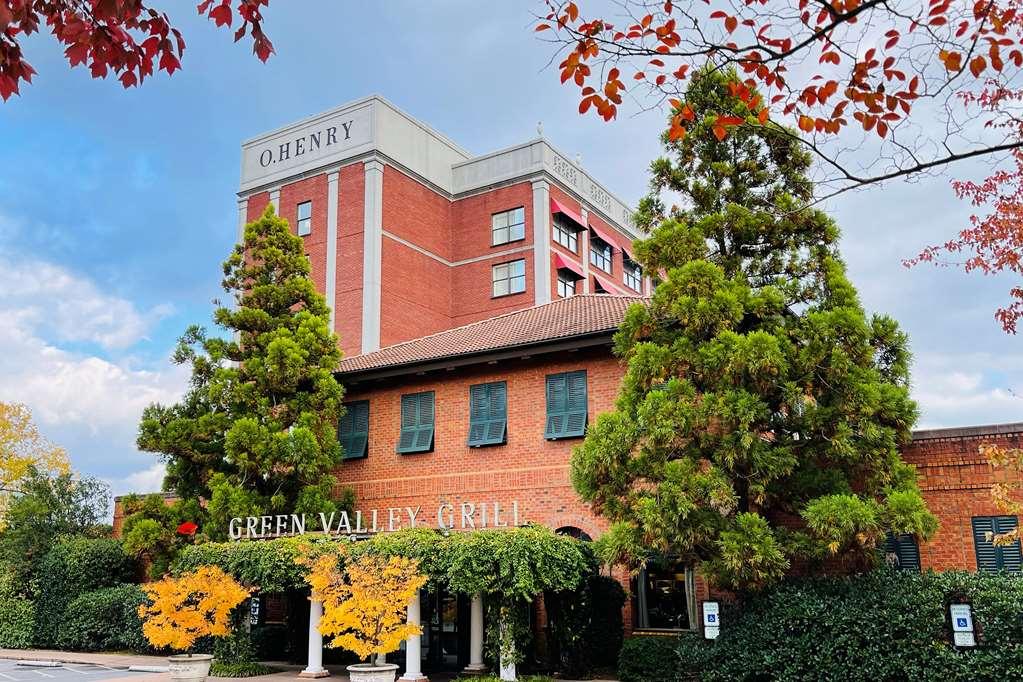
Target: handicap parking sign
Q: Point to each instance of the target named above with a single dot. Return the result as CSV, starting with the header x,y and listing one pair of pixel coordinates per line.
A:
x,y
712,617
961,622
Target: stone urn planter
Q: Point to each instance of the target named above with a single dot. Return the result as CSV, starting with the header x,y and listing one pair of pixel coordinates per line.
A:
x,y
190,668
372,672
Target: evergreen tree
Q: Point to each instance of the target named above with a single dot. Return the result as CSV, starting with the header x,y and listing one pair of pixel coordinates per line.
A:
x,y
257,430
761,414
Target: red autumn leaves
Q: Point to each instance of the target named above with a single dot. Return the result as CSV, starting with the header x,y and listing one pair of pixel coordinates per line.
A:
x,y
124,37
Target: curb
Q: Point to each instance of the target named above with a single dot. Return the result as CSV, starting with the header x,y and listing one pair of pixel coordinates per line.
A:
x,y
148,668
31,663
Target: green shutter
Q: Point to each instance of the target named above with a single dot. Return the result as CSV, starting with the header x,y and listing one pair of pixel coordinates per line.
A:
x,y
902,552
488,414
353,431
416,423
987,553
566,405
1010,554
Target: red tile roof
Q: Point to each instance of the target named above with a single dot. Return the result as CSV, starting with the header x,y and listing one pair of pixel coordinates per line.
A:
x,y
579,315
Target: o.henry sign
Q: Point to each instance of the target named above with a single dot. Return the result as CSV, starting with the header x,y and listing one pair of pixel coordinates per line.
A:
x,y
466,515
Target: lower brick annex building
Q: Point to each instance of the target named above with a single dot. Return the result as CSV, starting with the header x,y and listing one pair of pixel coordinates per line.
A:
x,y
479,298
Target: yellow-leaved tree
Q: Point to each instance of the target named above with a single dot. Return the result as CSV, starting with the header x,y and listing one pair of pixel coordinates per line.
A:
x,y
365,600
23,448
1007,489
192,605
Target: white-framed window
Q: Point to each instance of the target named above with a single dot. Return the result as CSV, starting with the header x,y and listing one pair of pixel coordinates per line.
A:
x,y
566,233
305,218
633,275
509,278
566,284
508,226
601,254
664,596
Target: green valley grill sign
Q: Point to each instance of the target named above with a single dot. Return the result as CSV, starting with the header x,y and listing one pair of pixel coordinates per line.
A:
x,y
463,516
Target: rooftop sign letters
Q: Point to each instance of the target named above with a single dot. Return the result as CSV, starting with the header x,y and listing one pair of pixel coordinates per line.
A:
x,y
463,516
312,141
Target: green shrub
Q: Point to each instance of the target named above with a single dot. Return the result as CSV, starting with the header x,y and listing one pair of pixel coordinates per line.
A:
x,y
238,647
104,620
72,567
251,669
17,622
885,625
648,658
269,566
272,642
587,625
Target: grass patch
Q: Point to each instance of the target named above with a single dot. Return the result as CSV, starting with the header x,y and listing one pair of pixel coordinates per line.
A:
x,y
241,669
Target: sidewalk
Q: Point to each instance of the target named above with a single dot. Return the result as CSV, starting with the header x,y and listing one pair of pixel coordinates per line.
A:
x,y
119,661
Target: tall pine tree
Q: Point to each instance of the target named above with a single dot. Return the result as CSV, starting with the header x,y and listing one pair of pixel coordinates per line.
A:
x,y
761,415
257,430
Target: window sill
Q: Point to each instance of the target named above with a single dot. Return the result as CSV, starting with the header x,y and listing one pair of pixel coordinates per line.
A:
x,y
517,293
661,632
510,241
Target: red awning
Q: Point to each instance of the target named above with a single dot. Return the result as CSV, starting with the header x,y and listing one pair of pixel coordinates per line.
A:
x,y
556,207
607,285
562,263
603,234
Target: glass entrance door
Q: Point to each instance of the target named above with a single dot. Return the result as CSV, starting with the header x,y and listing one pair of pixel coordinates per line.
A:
x,y
445,631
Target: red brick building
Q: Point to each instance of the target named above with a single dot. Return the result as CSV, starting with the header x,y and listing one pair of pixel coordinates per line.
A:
x,y
475,298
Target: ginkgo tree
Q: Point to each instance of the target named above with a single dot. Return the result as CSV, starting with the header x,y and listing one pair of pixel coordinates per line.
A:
x,y
24,450
129,38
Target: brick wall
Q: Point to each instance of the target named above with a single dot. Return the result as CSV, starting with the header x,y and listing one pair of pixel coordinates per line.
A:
x,y
956,483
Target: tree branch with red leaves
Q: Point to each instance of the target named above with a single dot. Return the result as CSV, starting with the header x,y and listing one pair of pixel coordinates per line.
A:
x,y
879,90
125,37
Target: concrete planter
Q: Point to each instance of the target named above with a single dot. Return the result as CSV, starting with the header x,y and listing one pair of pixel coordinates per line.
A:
x,y
192,668
372,672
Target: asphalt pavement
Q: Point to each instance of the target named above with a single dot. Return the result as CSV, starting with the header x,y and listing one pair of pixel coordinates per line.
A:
x,y
12,671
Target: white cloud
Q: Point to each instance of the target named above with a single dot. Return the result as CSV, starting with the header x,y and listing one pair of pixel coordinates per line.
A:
x,y
966,390
145,481
88,402
48,297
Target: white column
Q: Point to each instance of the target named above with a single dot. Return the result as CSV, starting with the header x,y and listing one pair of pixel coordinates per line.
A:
x,y
331,287
476,666
372,246
584,249
243,214
541,241
507,662
314,668
413,652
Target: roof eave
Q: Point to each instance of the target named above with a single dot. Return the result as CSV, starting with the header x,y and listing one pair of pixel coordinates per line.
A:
x,y
566,343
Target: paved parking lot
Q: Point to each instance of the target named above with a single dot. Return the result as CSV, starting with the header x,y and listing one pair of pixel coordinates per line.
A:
x,y
10,671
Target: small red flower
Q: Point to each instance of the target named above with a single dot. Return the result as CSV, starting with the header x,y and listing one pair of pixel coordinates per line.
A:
x,y
187,528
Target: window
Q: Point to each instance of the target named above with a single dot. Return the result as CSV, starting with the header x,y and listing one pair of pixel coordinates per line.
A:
x,y
509,278
488,414
566,233
305,218
601,253
633,275
901,552
989,556
508,226
416,423
566,284
353,431
566,405
663,596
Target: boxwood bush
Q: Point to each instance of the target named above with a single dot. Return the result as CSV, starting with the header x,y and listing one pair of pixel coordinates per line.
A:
x,y
104,620
880,626
72,567
649,658
17,622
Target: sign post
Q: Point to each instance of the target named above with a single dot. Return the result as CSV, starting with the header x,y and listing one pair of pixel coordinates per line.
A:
x,y
962,625
711,619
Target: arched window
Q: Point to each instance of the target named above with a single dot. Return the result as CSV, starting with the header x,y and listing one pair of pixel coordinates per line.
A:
x,y
573,532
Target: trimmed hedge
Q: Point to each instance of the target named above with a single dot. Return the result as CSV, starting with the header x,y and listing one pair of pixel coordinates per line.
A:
x,y
72,567
17,622
648,658
250,669
885,625
104,620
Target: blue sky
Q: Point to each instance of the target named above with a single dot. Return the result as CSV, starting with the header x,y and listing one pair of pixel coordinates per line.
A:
x,y
117,207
